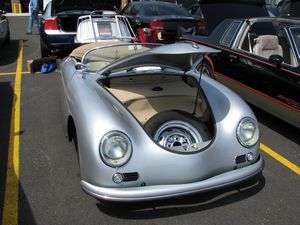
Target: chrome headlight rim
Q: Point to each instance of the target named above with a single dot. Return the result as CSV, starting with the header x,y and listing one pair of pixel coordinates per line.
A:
x,y
115,163
243,126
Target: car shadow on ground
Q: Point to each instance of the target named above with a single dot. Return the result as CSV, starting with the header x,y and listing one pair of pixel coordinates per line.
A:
x,y
6,106
9,53
183,205
279,126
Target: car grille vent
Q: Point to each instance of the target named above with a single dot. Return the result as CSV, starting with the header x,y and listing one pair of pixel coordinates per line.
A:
x,y
130,176
240,159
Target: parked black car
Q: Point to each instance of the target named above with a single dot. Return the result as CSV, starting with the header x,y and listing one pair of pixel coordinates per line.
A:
x,y
260,60
215,11
155,21
59,23
4,29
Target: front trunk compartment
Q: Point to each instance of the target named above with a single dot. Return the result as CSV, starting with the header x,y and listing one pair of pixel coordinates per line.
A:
x,y
148,96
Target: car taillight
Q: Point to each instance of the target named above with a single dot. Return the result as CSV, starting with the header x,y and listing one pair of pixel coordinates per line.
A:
x,y
51,24
201,25
157,24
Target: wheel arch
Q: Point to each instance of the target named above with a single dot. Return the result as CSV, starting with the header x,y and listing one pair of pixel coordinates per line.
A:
x,y
208,60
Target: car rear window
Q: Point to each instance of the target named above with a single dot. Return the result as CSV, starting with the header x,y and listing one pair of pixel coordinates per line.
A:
x,y
230,33
163,10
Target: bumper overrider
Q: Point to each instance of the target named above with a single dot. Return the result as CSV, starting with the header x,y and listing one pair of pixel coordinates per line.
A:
x,y
154,192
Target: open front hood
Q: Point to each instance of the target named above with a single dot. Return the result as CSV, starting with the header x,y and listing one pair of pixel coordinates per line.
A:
x,y
181,56
91,5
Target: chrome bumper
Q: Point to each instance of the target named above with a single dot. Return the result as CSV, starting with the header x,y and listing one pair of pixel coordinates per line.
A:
x,y
167,191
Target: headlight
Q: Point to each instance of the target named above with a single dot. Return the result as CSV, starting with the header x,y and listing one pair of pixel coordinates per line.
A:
x,y
247,132
115,149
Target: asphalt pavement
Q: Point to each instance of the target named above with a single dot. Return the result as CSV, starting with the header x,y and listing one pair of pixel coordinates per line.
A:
x,y
47,174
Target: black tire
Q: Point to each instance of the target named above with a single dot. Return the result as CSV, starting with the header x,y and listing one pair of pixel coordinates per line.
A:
x,y
206,70
191,126
45,51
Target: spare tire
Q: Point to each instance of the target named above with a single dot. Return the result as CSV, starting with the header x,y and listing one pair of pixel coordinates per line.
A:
x,y
175,129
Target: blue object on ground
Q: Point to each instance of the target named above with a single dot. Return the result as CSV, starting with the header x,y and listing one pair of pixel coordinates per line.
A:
x,y
48,68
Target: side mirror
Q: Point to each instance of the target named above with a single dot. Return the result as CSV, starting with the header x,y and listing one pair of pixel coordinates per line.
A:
x,y
80,66
277,59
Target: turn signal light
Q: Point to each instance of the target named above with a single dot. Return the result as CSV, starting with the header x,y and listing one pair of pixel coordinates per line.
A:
x,y
157,24
51,24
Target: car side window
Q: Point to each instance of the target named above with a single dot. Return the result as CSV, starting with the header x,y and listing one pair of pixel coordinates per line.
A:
x,y
229,35
266,39
289,56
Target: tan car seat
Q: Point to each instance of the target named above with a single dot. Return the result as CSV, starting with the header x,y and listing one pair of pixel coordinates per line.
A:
x,y
267,45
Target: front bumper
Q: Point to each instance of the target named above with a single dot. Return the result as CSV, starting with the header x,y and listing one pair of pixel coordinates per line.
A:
x,y
165,191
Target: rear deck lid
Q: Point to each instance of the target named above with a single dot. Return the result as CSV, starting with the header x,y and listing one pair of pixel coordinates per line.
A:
x,y
134,57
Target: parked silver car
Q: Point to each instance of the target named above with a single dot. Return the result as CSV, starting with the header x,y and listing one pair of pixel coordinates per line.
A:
x,y
4,29
148,126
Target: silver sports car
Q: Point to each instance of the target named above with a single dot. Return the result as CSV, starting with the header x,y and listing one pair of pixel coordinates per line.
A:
x,y
147,125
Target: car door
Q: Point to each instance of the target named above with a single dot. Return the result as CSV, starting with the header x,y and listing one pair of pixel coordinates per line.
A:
x,y
258,79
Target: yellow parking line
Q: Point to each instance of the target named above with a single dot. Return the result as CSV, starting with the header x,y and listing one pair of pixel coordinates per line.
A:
x,y
13,73
281,159
10,208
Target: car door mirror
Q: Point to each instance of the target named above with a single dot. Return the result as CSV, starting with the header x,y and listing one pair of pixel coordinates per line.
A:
x,y
80,66
277,59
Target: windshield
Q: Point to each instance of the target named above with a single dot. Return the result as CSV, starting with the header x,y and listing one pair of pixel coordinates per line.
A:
x,y
98,58
296,36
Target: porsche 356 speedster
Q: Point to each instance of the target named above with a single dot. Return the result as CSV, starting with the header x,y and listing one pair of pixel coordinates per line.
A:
x,y
147,125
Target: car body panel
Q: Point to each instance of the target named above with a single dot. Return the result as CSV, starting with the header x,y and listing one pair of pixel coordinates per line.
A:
x,y
251,75
95,112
